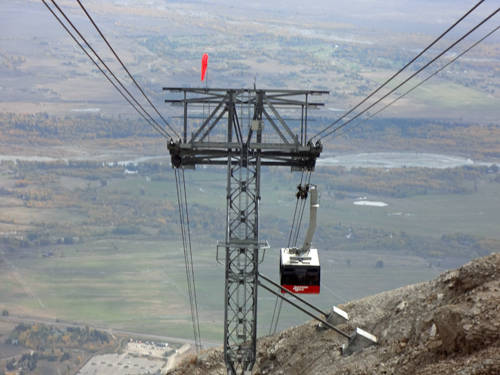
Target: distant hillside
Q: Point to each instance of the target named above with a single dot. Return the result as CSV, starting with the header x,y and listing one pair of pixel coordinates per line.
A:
x,y
449,325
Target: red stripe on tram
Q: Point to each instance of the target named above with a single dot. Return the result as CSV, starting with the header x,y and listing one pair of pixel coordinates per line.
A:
x,y
302,289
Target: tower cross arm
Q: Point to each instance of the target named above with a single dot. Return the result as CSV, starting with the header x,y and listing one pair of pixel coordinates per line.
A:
x,y
193,153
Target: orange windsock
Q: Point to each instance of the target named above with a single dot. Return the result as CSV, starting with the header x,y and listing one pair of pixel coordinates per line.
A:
x,y
204,64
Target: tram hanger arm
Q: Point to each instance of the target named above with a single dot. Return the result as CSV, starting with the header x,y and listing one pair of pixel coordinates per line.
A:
x,y
313,191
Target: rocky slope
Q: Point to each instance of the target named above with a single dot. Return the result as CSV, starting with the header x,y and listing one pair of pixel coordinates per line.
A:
x,y
450,325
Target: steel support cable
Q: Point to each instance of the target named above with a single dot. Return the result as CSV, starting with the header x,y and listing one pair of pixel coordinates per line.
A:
x,y
124,67
159,129
425,80
187,263
279,301
293,234
194,304
295,242
186,242
295,212
402,69
277,308
302,213
102,71
183,234
413,75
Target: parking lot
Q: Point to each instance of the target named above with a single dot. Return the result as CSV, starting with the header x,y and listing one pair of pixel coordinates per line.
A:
x,y
121,364
146,349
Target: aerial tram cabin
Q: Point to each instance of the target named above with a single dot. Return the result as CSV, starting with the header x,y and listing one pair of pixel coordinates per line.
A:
x,y
300,271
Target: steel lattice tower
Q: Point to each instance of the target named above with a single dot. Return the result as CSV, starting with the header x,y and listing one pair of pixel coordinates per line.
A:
x,y
244,130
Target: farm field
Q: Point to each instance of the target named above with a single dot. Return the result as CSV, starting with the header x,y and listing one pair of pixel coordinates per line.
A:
x,y
136,282
438,97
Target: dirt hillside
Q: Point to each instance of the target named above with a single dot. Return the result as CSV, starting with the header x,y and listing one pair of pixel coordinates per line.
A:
x,y
450,325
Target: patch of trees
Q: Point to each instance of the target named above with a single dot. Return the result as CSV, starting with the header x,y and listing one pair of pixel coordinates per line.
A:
x,y
6,192
66,240
83,127
21,183
29,172
103,206
39,239
28,165
127,213
378,133
104,132
132,211
39,336
30,361
133,229
11,365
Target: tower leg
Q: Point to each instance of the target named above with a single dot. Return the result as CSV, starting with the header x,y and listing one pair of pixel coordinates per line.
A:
x,y
242,259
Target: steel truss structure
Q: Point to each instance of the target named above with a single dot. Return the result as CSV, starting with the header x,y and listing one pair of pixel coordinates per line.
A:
x,y
243,129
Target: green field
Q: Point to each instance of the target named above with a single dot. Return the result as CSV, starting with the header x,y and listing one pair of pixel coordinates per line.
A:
x,y
427,215
141,286
442,94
